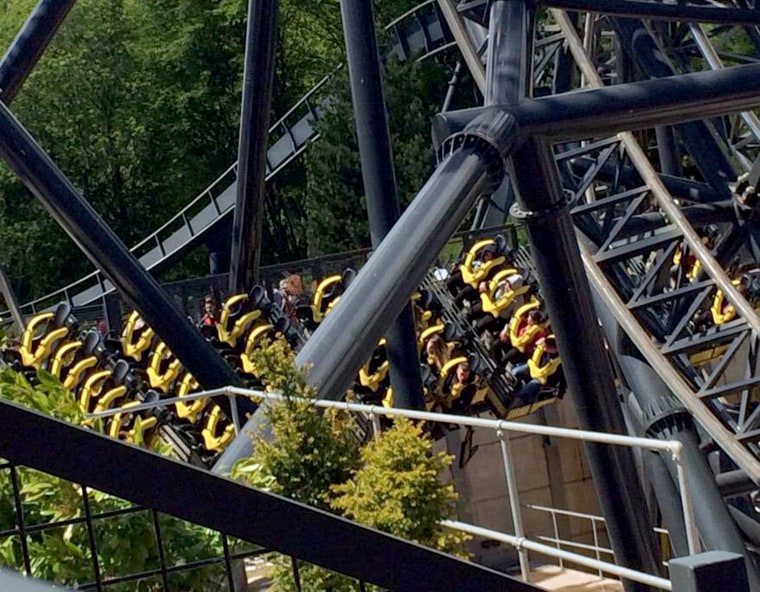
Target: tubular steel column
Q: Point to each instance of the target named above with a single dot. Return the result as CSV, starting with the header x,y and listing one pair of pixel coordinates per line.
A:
x,y
82,223
258,78
379,184
382,288
29,44
509,64
567,295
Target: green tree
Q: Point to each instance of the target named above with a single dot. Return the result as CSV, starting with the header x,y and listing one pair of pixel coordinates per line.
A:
x,y
308,451
335,204
398,489
391,484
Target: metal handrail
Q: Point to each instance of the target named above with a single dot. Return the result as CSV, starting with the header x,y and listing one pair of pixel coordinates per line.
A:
x,y
502,428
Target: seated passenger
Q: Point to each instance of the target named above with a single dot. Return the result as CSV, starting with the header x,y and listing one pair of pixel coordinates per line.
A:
x,y
437,353
295,292
460,388
543,369
210,312
519,337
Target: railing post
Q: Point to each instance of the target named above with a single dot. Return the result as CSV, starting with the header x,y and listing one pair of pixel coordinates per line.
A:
x,y
556,537
514,502
376,427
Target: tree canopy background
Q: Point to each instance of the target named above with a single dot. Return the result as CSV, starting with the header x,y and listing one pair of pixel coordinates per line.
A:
x,y
137,101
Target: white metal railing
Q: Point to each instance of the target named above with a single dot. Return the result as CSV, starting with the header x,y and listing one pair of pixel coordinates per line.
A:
x,y
502,430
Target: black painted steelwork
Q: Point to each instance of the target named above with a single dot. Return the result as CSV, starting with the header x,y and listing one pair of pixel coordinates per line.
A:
x,y
99,243
510,52
280,524
624,107
379,185
697,12
567,297
258,81
697,136
345,339
27,48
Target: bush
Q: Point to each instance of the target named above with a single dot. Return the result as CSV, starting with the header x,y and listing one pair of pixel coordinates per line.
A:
x,y
398,490
392,484
125,544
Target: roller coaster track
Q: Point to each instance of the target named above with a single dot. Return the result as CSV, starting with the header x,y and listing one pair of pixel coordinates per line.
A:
x,y
711,369
420,32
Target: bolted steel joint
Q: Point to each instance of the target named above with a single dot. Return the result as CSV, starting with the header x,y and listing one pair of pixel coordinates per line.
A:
x,y
492,134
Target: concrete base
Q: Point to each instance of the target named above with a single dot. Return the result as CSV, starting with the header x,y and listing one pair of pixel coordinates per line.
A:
x,y
553,577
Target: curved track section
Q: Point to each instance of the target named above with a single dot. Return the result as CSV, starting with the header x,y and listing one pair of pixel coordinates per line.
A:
x,y
668,270
420,32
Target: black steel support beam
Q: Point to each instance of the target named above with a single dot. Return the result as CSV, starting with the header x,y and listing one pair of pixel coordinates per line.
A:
x,y
567,295
189,493
101,245
30,43
661,11
626,107
510,52
258,80
379,178
696,135
348,335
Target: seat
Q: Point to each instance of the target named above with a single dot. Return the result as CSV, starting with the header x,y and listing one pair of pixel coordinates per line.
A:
x,y
163,368
137,337
215,437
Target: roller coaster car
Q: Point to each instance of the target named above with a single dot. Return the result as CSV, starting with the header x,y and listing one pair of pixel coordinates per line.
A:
x,y
163,368
42,333
472,274
216,435
235,318
137,337
502,409
495,306
325,296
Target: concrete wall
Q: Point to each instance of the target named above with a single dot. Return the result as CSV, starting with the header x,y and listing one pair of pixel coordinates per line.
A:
x,y
550,472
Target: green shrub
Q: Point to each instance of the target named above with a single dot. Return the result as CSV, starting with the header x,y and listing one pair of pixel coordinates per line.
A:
x,y
398,489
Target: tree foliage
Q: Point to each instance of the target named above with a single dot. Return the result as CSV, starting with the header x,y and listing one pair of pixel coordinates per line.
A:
x,y
138,103
392,484
335,203
306,452
397,489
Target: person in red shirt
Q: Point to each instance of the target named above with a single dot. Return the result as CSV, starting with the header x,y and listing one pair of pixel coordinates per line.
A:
x,y
210,311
